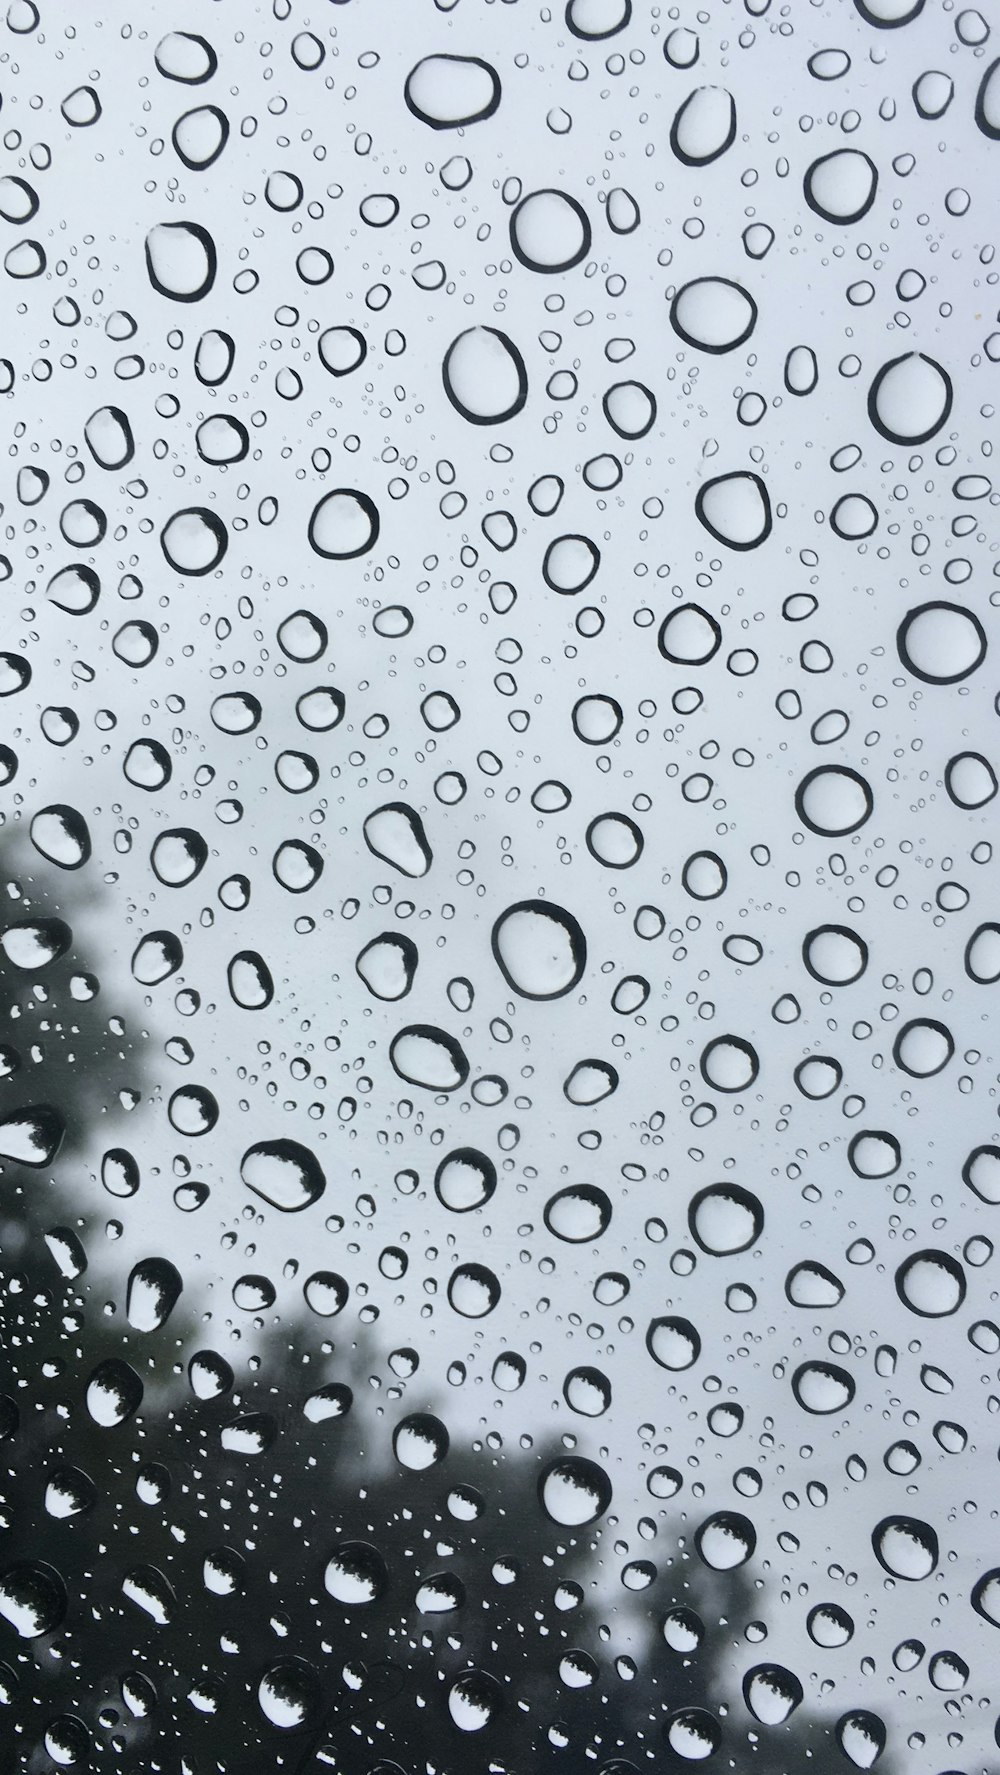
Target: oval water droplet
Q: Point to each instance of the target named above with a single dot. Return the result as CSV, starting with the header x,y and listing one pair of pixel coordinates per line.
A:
x,y
60,834
429,1057
154,1288
114,1393
181,260
704,127
452,91
713,314
484,376
149,1591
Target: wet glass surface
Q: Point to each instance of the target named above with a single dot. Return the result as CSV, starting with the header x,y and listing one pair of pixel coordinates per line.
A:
x,y
500,930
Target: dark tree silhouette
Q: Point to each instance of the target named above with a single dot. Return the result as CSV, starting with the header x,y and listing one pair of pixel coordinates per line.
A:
x,y
207,1569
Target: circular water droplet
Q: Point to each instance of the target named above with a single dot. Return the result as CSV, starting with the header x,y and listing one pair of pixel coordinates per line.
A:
x,y
574,1491
931,1283
910,399
578,1214
199,137
835,955
69,1492
693,1734
772,1693
587,1391
725,1218
344,525
193,1110
615,840
923,1047
289,1693
473,1290
673,1342
906,1547
689,636
184,56
729,1063
539,948
549,232
355,1574
822,1387
465,1180
841,187
811,1284
194,541
283,1173
713,314
834,800
829,1625
420,1441
591,1081
326,1293
388,965
630,409
726,1540
735,508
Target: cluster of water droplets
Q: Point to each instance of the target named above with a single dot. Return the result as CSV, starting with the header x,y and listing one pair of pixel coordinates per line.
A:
x,y
498,764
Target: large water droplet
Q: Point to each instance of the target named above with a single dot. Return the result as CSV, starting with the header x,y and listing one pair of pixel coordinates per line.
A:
x,y
484,376
32,1598
114,1393
452,91
906,1547
154,1288
180,260
574,1491
355,1574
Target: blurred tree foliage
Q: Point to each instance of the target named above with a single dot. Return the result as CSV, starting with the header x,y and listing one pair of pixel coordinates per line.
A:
x,y
164,1580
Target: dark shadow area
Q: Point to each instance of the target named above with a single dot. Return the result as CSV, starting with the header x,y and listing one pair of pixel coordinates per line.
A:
x,y
289,1568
